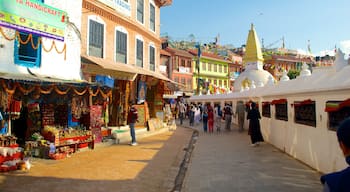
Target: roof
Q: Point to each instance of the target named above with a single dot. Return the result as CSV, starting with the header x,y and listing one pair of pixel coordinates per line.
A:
x,y
290,58
209,56
179,52
164,52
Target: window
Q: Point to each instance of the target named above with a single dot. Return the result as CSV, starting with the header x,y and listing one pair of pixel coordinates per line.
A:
x,y
121,47
183,81
215,67
152,57
266,109
152,17
204,66
225,69
209,67
182,63
189,84
220,82
281,111
139,53
189,63
305,112
25,54
140,10
96,37
220,68
176,79
337,112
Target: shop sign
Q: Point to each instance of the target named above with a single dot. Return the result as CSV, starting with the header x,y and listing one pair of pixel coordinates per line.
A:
x,y
32,16
121,6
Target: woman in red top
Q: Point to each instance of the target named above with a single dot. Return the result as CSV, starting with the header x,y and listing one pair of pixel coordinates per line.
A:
x,y
210,118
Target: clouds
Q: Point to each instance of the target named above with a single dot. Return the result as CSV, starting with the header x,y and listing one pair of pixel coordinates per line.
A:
x,y
345,46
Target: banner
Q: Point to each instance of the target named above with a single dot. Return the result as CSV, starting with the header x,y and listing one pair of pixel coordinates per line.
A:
x,y
142,90
32,16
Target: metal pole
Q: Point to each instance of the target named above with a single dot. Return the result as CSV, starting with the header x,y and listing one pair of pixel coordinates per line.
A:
x,y
198,65
198,62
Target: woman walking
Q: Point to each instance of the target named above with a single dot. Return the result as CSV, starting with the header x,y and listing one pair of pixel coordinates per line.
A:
x,y
210,119
254,125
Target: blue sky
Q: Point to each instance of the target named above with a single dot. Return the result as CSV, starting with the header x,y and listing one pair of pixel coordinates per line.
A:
x,y
324,22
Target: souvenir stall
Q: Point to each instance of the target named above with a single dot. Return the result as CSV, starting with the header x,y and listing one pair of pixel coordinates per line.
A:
x,y
54,120
11,155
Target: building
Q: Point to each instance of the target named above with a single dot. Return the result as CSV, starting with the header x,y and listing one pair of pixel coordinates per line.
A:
x,y
212,73
278,61
40,75
121,42
181,70
235,68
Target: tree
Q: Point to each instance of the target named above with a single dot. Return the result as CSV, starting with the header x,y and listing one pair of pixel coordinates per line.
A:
x,y
292,73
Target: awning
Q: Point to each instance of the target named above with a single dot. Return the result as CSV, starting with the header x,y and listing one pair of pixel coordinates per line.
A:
x,y
99,66
37,78
332,106
279,101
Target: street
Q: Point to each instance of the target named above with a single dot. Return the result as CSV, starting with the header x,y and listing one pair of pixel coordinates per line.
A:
x,y
226,162
150,166
219,162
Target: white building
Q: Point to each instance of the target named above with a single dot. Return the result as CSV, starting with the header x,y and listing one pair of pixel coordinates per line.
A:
x,y
41,54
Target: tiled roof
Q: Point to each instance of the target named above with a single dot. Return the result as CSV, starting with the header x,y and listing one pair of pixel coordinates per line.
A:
x,y
164,52
290,58
179,52
209,55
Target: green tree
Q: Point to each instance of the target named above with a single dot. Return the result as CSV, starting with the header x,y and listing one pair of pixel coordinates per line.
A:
x,y
292,73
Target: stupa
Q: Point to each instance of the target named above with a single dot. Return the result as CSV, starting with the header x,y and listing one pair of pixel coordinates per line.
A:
x,y
253,61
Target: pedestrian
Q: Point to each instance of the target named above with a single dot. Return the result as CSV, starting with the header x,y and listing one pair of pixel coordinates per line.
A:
x,y
254,125
228,117
205,121
240,113
182,110
340,181
210,119
192,111
197,115
132,119
218,117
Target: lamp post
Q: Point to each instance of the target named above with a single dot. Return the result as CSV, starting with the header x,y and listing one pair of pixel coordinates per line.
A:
x,y
198,46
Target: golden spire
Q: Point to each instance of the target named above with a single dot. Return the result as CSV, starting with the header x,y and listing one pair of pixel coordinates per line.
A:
x,y
253,49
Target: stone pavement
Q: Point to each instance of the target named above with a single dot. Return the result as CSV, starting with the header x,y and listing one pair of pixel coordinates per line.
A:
x,y
226,162
152,166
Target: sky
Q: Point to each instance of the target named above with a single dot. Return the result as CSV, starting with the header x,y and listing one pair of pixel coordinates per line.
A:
x,y
323,23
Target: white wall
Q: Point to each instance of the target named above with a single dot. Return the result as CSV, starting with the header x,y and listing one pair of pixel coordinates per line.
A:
x,y
315,146
53,64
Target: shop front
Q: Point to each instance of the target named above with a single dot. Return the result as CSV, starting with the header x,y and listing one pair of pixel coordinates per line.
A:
x,y
51,119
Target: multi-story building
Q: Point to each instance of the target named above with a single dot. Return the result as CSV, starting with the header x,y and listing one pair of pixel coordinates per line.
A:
x,y
212,71
120,40
181,69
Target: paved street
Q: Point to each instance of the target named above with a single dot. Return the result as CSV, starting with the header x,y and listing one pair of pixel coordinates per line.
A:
x,y
219,162
226,162
149,167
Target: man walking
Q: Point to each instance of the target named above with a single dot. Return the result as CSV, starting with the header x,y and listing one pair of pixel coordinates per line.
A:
x,y
228,117
240,113
132,119
182,110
